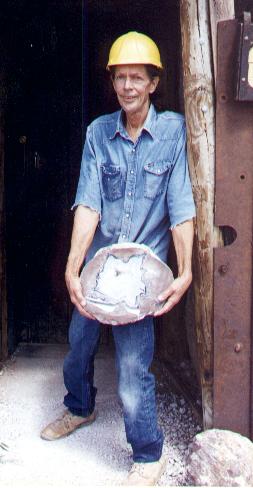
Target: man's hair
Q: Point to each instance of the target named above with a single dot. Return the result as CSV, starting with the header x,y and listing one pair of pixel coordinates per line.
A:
x,y
152,71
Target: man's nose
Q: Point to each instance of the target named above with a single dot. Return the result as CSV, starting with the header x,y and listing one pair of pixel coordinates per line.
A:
x,y
128,83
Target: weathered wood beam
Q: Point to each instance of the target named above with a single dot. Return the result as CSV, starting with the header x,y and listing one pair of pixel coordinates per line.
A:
x,y
199,100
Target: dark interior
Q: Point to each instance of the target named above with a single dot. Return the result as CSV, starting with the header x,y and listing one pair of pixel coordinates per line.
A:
x,y
55,55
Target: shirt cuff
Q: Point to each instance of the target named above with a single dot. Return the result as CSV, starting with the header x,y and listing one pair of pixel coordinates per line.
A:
x,y
88,205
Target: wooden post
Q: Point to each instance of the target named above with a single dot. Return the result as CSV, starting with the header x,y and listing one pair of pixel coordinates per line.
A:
x,y
199,37
3,300
200,116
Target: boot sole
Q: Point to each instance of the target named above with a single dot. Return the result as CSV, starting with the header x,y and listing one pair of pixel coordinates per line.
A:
x,y
84,424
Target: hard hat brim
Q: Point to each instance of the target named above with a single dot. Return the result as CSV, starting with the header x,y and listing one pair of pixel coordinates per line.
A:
x,y
125,63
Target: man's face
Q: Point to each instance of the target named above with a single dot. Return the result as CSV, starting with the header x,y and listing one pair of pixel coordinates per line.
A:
x,y
133,87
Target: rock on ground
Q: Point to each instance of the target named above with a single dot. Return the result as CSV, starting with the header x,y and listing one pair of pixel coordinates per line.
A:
x,y
220,458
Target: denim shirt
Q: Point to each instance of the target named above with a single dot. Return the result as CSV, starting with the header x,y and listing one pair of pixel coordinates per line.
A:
x,y
140,189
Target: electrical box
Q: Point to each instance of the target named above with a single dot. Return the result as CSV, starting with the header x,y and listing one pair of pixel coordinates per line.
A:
x,y
244,78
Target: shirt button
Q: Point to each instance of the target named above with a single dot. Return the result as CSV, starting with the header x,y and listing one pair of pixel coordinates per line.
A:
x,y
129,193
133,150
127,216
132,171
124,236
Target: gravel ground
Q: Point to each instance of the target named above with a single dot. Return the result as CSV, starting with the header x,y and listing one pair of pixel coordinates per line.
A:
x,y
31,391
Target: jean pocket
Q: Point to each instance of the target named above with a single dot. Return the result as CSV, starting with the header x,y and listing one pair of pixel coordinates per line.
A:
x,y
156,178
112,182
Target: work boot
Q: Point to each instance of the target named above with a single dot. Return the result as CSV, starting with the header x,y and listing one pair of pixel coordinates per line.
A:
x,y
65,425
146,474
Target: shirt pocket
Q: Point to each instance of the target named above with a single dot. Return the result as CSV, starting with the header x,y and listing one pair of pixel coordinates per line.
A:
x,y
112,182
156,178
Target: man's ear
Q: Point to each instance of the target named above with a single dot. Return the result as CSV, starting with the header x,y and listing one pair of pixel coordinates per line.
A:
x,y
154,84
112,80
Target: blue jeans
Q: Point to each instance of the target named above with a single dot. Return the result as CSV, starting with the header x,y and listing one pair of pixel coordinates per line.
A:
x,y
134,344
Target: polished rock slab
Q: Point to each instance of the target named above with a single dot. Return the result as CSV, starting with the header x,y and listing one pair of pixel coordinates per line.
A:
x,y
121,284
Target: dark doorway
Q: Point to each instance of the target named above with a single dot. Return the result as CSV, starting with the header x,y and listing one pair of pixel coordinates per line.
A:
x,y
43,66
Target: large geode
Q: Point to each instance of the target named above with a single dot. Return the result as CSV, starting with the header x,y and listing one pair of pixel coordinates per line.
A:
x,y
122,282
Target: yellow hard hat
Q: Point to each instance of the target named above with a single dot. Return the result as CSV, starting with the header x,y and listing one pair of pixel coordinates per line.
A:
x,y
134,48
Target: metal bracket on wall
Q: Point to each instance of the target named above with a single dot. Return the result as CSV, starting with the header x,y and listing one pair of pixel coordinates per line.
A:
x,y
233,263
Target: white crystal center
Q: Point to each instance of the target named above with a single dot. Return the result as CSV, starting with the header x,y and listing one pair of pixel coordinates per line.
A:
x,y
122,281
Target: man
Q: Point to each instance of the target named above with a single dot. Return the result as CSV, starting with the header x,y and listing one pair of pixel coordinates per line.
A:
x,y
134,186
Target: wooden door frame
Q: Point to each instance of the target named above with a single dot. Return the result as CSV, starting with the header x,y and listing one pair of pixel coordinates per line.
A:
x,y
198,20
3,284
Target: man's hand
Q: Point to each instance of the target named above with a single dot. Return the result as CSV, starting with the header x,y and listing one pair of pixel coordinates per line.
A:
x,y
85,224
174,293
183,240
76,296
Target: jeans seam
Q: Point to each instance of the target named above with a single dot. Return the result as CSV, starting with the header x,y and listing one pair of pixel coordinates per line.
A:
x,y
151,428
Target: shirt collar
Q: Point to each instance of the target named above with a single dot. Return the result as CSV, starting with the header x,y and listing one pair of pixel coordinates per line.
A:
x,y
148,126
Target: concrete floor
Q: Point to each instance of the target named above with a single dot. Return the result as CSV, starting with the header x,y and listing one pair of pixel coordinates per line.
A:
x,y
31,392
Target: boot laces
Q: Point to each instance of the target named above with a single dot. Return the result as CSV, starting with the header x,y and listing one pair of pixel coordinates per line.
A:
x,y
67,419
138,468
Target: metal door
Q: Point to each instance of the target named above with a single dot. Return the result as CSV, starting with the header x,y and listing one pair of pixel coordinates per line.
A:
x,y
233,263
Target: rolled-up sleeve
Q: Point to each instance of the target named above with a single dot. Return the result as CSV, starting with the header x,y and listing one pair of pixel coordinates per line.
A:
x,y
180,201
88,190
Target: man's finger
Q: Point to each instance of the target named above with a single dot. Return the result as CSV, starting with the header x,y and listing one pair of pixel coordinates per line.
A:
x,y
79,301
77,292
166,294
163,310
88,315
82,310
168,306
78,297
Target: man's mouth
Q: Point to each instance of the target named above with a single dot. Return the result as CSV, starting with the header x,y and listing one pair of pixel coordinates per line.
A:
x,y
129,99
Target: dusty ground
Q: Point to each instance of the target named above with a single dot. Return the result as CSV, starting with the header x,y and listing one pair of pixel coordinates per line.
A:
x,y
31,392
